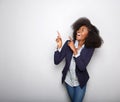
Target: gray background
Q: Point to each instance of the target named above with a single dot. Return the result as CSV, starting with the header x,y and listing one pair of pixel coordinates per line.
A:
x,y
27,44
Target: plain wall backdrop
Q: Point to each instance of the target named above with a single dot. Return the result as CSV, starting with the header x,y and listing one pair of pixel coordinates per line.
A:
x,y
27,44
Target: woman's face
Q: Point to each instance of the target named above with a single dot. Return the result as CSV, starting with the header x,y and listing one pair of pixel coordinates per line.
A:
x,y
82,33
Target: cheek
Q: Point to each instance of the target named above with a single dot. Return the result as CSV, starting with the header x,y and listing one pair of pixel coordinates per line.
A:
x,y
85,35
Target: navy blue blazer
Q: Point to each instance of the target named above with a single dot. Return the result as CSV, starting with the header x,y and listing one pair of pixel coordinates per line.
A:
x,y
81,62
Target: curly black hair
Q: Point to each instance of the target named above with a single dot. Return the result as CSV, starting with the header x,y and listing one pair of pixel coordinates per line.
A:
x,y
93,39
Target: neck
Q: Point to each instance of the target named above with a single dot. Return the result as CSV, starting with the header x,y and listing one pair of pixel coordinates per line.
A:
x,y
80,43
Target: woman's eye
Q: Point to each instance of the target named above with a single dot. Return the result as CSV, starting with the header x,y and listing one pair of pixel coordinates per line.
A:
x,y
83,29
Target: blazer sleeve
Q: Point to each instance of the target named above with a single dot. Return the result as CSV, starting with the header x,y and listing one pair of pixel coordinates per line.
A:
x,y
84,58
60,55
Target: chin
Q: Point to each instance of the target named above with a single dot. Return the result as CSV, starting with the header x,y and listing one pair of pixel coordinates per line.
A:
x,y
78,39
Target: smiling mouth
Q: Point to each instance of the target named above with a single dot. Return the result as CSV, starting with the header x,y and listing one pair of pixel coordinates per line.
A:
x,y
78,35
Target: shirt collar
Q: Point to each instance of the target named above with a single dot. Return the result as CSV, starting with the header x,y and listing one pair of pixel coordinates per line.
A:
x,y
76,44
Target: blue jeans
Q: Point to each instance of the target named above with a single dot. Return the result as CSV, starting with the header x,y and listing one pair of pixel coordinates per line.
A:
x,y
76,93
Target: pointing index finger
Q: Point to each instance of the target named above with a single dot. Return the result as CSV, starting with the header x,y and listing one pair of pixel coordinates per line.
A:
x,y
59,34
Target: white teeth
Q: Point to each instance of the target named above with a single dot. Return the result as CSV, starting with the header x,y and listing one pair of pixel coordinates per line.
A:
x,y
78,34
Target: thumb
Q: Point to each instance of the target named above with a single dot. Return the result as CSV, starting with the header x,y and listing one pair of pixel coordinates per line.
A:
x,y
70,38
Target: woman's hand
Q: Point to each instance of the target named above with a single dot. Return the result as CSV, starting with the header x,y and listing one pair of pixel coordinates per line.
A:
x,y
59,40
72,46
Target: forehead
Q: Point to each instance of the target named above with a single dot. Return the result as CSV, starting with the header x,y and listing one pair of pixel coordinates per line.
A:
x,y
83,27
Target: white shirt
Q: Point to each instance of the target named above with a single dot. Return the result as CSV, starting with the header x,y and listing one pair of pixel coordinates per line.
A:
x,y
71,78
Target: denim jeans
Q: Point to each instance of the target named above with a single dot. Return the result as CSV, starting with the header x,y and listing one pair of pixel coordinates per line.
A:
x,y
76,93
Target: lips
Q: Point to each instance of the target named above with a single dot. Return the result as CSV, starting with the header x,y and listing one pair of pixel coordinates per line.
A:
x,y
78,34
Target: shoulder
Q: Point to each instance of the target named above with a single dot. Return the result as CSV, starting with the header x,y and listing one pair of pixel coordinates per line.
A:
x,y
88,50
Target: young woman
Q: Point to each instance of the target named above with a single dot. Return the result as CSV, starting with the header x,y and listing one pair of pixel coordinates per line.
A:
x,y
77,53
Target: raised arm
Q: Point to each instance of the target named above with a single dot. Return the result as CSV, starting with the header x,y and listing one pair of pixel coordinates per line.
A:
x,y
59,55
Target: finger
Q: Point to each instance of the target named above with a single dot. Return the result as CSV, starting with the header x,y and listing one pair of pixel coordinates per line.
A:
x,y
70,38
58,39
59,34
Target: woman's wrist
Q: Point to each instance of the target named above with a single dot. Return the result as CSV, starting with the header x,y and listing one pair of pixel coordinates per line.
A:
x,y
58,46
